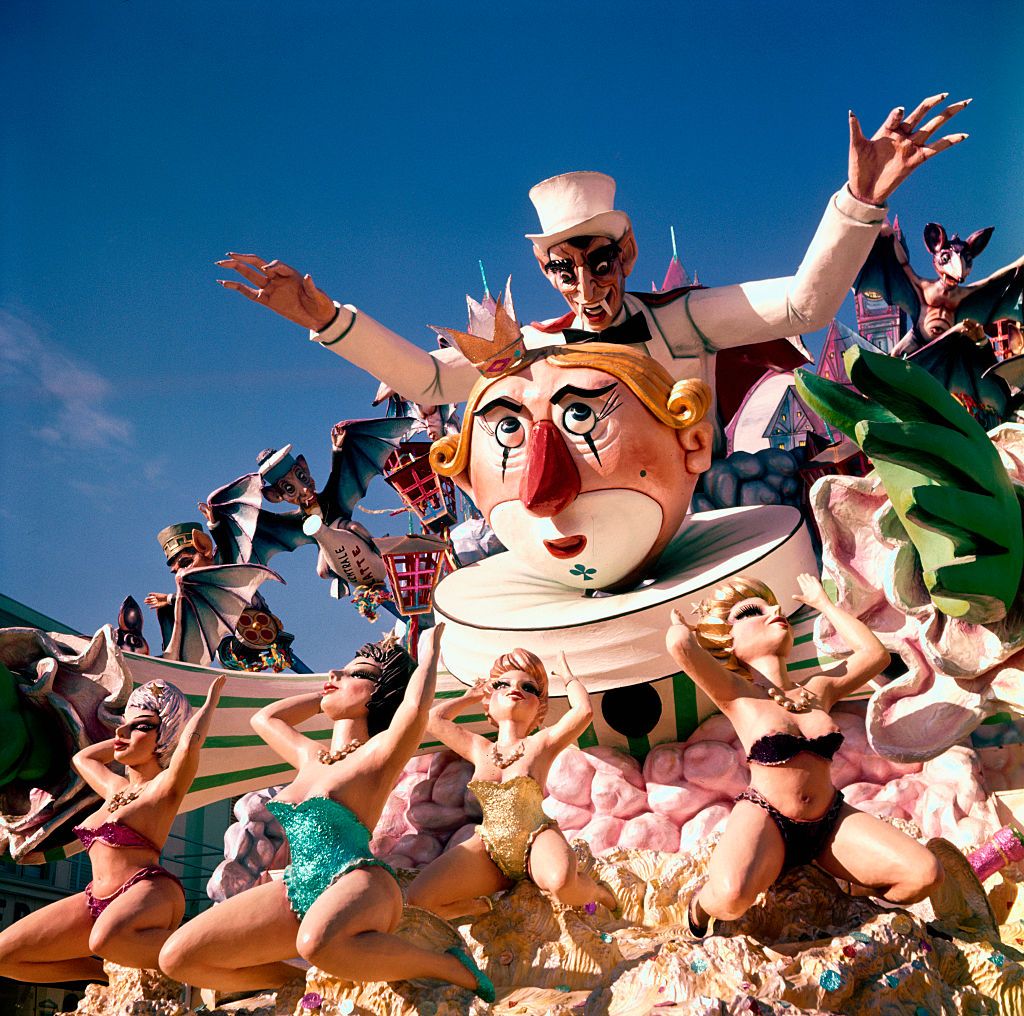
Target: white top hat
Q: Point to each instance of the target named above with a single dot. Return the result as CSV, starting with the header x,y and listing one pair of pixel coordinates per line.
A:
x,y
576,204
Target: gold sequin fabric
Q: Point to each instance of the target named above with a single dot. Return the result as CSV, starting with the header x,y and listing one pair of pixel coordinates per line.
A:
x,y
513,817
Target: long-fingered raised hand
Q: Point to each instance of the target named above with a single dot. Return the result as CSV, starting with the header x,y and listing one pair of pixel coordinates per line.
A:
x,y
281,288
880,164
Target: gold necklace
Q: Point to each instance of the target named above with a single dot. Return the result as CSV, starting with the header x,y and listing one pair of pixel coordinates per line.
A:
x,y
503,763
121,798
328,758
803,704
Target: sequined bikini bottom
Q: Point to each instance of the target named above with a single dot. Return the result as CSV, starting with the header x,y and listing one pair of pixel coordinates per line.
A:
x,y
97,904
513,818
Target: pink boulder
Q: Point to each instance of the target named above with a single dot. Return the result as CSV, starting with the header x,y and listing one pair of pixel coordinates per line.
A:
x,y
450,787
602,834
614,796
650,832
570,777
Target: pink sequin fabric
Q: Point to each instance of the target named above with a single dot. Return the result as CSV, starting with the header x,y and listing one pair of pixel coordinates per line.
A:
x,y
97,904
114,834
1005,847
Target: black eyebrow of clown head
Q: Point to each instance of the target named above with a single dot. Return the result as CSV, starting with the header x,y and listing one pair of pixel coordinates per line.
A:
x,y
583,393
502,401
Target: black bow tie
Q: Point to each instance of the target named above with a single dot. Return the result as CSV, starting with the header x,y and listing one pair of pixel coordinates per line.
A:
x,y
630,332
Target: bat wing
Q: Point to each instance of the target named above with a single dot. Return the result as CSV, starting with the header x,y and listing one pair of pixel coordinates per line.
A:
x,y
883,276
367,446
996,298
207,607
245,532
943,476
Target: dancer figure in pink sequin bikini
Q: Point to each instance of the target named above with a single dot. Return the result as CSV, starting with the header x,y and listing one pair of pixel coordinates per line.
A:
x,y
132,905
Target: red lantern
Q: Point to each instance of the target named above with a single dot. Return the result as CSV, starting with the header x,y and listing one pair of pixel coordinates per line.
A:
x,y
430,496
414,565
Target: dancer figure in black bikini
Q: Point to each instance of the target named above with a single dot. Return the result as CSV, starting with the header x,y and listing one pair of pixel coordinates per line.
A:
x,y
791,813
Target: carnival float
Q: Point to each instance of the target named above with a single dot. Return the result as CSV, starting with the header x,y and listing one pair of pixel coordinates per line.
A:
x,y
704,693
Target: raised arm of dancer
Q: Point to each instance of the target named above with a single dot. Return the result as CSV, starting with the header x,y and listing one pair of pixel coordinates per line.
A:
x,y
276,724
402,737
184,764
577,718
441,723
868,659
93,763
722,686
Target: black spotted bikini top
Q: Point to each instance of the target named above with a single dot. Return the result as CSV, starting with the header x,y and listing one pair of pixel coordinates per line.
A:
x,y
777,749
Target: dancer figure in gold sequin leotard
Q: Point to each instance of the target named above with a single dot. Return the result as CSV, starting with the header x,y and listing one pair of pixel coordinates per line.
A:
x,y
516,839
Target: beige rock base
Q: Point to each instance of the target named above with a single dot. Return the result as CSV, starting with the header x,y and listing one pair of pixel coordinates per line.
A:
x,y
133,992
806,947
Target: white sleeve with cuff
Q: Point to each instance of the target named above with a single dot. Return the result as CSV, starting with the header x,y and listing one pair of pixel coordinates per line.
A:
x,y
758,311
442,376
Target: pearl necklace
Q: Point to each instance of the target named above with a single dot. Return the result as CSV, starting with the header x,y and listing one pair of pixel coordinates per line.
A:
x,y
503,763
804,701
121,798
328,758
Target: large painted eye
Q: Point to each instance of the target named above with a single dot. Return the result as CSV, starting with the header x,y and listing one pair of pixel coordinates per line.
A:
x,y
509,432
579,419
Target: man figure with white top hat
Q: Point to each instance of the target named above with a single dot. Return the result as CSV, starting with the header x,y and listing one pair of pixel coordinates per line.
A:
x,y
587,250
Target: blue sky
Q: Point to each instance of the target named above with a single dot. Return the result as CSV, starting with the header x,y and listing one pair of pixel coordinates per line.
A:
x,y
385,148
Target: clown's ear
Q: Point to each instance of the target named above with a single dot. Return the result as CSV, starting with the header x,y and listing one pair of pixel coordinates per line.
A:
x,y
697,440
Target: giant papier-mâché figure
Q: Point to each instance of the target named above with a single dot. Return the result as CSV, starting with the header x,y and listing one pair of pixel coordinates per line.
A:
x,y
516,840
949,317
215,605
247,532
587,249
132,904
791,813
936,305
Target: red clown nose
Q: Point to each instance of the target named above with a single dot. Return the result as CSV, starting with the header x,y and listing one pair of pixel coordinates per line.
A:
x,y
551,481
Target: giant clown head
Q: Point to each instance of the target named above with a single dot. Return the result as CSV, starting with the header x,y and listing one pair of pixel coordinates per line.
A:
x,y
583,459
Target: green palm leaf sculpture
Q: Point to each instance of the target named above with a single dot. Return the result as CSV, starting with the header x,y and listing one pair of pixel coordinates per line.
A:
x,y
943,476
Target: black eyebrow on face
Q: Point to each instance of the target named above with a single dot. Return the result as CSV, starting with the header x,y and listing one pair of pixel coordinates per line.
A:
x,y
505,401
583,393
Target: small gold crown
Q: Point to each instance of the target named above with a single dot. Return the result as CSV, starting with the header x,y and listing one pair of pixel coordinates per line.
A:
x,y
388,642
500,347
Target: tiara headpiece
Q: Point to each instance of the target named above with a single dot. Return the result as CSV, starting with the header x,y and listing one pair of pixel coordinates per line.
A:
x,y
495,345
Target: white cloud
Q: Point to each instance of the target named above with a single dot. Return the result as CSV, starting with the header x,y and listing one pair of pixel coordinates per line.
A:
x,y
69,397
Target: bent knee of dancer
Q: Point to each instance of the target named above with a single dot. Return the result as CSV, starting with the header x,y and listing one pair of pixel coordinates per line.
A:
x,y
918,881
727,900
176,959
312,944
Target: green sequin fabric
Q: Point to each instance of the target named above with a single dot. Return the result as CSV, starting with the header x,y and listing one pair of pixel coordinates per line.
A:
x,y
326,841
